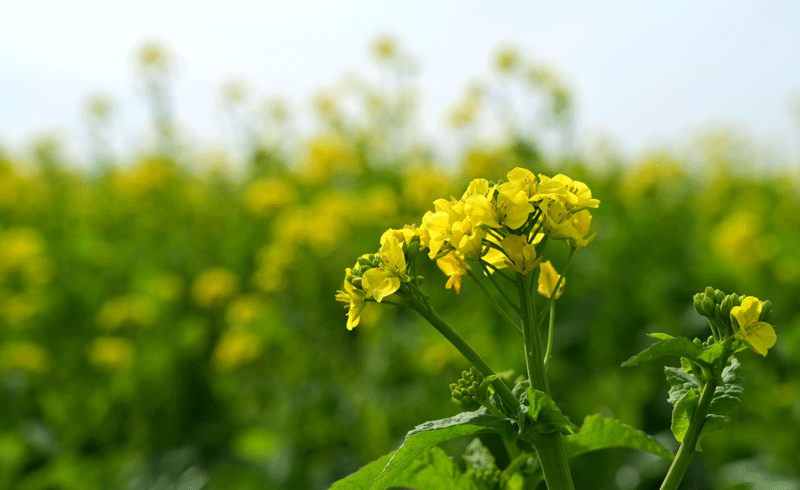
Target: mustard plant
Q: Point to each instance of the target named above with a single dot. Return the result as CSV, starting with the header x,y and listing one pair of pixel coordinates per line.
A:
x,y
498,234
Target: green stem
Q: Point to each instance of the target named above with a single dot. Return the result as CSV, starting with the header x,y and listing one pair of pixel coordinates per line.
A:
x,y
549,447
499,289
549,352
466,350
686,451
499,309
552,297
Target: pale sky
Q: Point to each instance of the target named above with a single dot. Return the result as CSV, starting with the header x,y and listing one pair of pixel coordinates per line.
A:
x,y
643,74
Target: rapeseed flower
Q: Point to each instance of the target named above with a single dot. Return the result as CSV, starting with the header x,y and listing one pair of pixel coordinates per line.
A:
x,y
455,268
548,277
521,254
747,325
385,279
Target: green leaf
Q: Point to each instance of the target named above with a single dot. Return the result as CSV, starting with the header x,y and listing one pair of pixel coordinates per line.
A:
x,y
682,414
725,398
478,456
538,412
382,473
599,433
364,477
678,346
434,469
660,336
431,433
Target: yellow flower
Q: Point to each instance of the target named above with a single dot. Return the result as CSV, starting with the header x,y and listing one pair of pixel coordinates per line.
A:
x,y
356,299
467,239
548,277
581,221
214,286
521,254
573,194
522,180
757,335
111,352
454,267
510,207
579,196
384,280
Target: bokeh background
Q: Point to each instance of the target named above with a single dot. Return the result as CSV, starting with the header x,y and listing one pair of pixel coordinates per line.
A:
x,y
167,318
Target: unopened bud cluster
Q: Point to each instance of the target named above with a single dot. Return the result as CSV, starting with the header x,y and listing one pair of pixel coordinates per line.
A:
x,y
471,391
488,478
717,306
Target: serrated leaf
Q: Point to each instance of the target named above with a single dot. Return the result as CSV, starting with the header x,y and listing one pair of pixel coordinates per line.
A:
x,y
681,347
431,433
680,383
725,398
478,456
434,469
682,414
599,433
538,412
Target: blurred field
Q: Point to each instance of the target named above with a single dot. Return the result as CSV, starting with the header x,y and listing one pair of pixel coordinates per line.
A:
x,y
170,325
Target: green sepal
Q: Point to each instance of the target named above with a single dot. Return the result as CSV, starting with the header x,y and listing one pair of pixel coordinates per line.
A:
x,y
539,413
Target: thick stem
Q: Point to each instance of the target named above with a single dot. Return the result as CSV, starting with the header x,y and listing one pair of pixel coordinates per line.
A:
x,y
686,451
466,350
549,447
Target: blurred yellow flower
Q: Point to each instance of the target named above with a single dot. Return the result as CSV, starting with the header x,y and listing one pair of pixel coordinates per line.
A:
x,y
757,335
128,308
214,286
236,347
243,310
548,277
111,352
26,356
266,195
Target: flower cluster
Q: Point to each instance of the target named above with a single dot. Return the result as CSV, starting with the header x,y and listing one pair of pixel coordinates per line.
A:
x,y
744,317
503,224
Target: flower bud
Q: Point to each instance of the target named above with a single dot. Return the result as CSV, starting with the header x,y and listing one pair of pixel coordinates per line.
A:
x,y
698,304
719,295
365,262
710,292
356,281
766,308
726,305
413,248
708,306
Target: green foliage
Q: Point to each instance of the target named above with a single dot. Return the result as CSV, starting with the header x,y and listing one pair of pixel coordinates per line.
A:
x,y
683,394
598,433
418,441
539,413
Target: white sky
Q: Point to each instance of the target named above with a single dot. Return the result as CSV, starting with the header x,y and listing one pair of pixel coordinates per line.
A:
x,y
643,74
